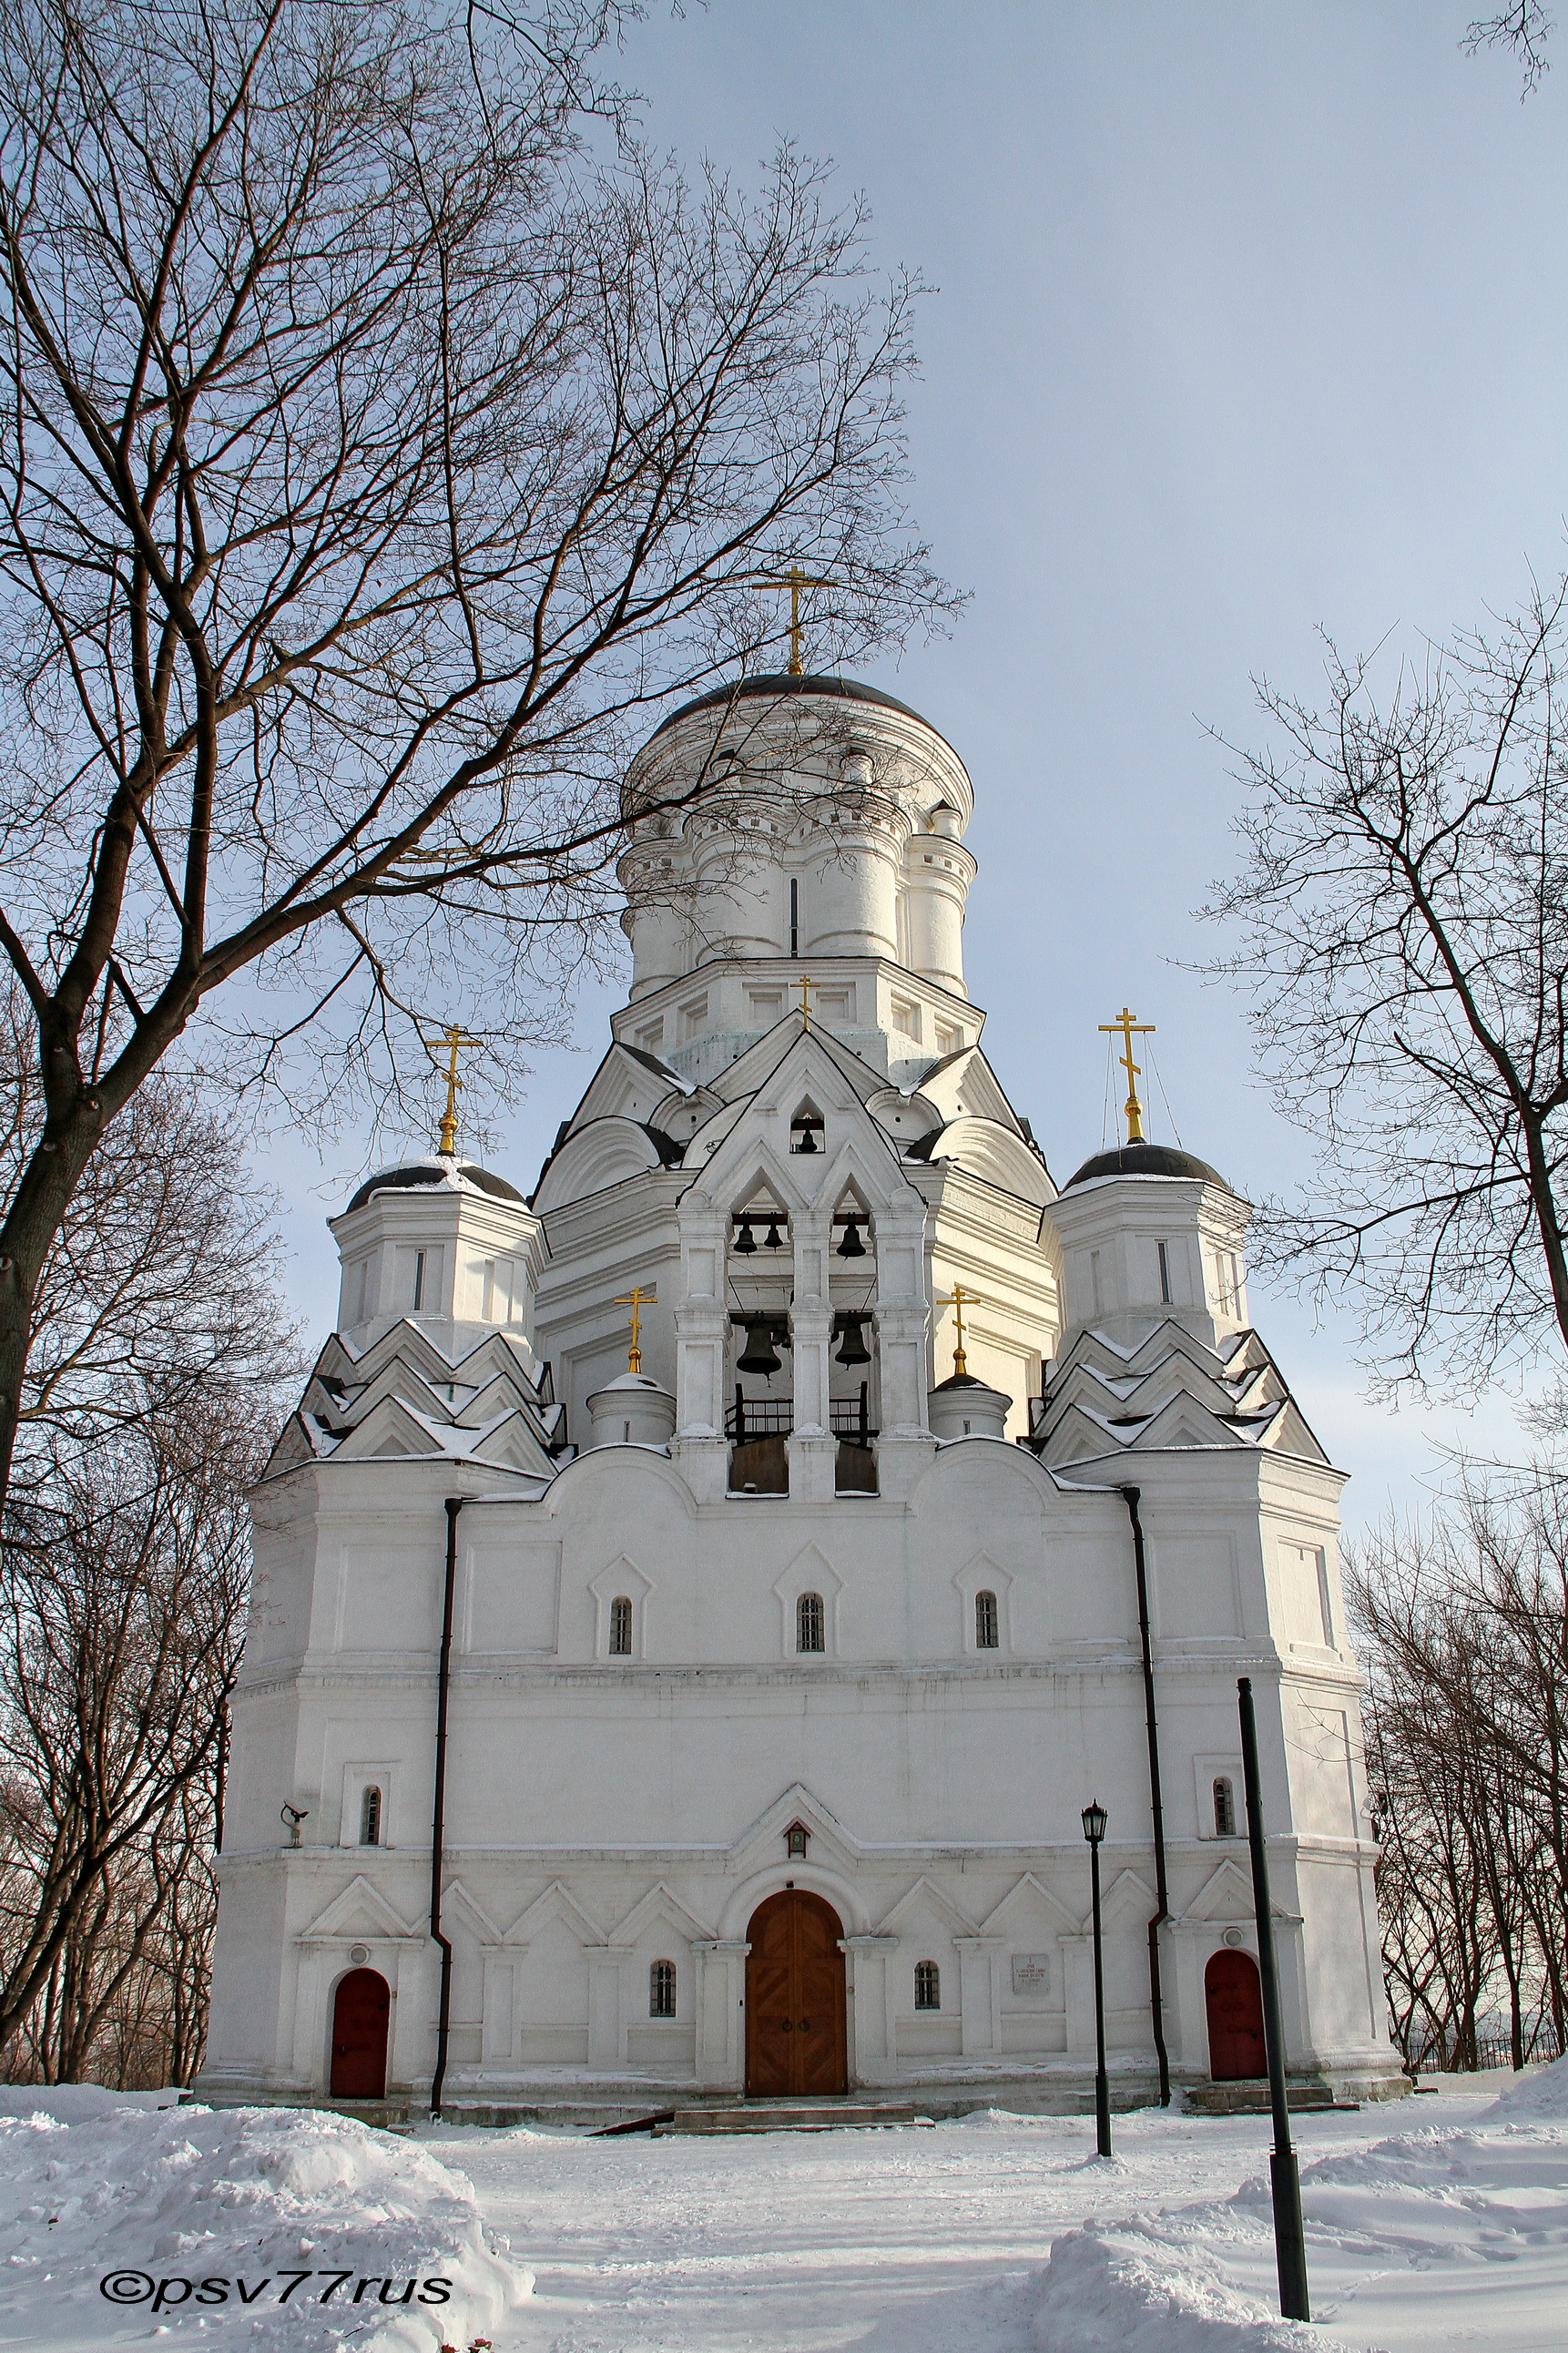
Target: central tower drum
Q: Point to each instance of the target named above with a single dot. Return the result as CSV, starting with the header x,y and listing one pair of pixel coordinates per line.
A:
x,y
812,824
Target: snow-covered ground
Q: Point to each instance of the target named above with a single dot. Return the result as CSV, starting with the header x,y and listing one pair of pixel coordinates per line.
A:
x,y
1438,2223
120,2222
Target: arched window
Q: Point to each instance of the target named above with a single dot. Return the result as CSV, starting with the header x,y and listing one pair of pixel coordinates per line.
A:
x,y
928,1986
1224,1806
808,1622
370,1817
620,1627
661,1989
986,1621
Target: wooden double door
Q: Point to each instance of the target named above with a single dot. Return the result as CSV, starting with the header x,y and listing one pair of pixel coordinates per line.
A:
x,y
796,2044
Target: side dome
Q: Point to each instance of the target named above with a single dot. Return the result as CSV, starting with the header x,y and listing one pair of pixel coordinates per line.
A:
x,y
416,1173
1146,1160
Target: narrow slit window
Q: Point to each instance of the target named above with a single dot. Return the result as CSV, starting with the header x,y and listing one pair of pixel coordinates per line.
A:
x,y
794,916
808,1622
661,1989
986,1621
1325,1603
621,1627
928,1986
419,1279
1165,1276
370,1817
1224,1806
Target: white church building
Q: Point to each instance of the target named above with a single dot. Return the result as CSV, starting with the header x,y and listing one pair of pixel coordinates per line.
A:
x,y
614,1734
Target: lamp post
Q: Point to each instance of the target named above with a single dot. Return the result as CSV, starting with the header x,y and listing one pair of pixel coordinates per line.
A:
x,y
1289,2238
1094,1821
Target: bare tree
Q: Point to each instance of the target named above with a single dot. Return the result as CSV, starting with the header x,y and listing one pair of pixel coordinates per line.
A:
x,y
161,1282
1463,1623
1522,28
123,1598
1404,943
375,452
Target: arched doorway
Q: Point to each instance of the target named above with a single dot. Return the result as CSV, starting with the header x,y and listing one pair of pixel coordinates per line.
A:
x,y
796,2045
360,2008
1235,2001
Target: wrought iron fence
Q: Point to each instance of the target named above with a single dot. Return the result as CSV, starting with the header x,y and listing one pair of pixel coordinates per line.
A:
x,y
773,1416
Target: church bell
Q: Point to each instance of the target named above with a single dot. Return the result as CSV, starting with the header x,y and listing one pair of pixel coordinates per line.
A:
x,y
745,1241
851,1246
854,1350
761,1355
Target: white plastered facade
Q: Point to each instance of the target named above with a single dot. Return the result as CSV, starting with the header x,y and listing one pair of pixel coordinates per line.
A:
x,y
634,1729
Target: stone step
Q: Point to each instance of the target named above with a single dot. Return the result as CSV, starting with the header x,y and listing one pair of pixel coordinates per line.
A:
x,y
1248,2096
792,2116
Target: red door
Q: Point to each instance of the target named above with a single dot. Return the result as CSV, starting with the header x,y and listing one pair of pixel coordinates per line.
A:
x,y
1235,2018
360,2014
795,2040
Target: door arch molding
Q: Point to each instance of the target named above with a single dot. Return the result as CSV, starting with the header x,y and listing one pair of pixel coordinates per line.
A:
x,y
811,1877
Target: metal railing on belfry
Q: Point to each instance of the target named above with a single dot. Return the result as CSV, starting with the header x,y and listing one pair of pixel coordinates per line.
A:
x,y
773,1416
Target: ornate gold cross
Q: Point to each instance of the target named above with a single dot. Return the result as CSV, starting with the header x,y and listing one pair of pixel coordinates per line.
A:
x,y
637,1299
794,580
955,1301
805,987
452,1037
1126,1030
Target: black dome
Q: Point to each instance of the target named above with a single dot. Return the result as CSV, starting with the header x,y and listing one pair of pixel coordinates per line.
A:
x,y
1146,1160
432,1172
778,683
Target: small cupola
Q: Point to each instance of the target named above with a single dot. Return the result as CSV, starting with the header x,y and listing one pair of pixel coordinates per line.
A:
x,y
438,1240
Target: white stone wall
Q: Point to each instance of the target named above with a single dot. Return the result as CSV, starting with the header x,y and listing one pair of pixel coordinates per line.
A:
x,y
605,1813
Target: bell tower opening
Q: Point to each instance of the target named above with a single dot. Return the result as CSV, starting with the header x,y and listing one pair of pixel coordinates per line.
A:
x,y
853,1386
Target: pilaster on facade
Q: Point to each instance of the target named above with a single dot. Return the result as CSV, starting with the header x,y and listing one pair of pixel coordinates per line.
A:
x,y
873,2008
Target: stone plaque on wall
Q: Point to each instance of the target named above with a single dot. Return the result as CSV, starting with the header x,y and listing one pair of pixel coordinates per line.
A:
x,y
1031,1974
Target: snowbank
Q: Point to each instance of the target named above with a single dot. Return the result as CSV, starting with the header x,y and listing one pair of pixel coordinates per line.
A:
x,y
1540,2094
1114,2292
197,2216
1462,2201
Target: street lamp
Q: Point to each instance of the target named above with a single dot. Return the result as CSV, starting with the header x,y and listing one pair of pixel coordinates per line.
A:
x,y
1094,1821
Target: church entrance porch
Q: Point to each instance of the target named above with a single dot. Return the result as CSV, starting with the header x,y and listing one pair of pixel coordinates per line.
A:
x,y
1235,2001
796,2042
360,2008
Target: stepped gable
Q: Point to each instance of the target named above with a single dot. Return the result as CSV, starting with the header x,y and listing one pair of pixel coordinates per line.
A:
x,y
1170,1391
404,1398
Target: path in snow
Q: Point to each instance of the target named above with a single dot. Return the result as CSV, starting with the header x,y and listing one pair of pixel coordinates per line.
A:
x,y
930,2242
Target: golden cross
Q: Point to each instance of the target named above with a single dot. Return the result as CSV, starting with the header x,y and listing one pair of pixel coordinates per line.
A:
x,y
452,1039
1127,1029
794,580
637,1299
955,1301
805,987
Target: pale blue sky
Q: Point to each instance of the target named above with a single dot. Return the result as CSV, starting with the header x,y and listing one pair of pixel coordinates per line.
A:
x,y
1250,318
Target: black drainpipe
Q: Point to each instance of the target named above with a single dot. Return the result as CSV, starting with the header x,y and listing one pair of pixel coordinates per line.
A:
x,y
1130,1497
438,1825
